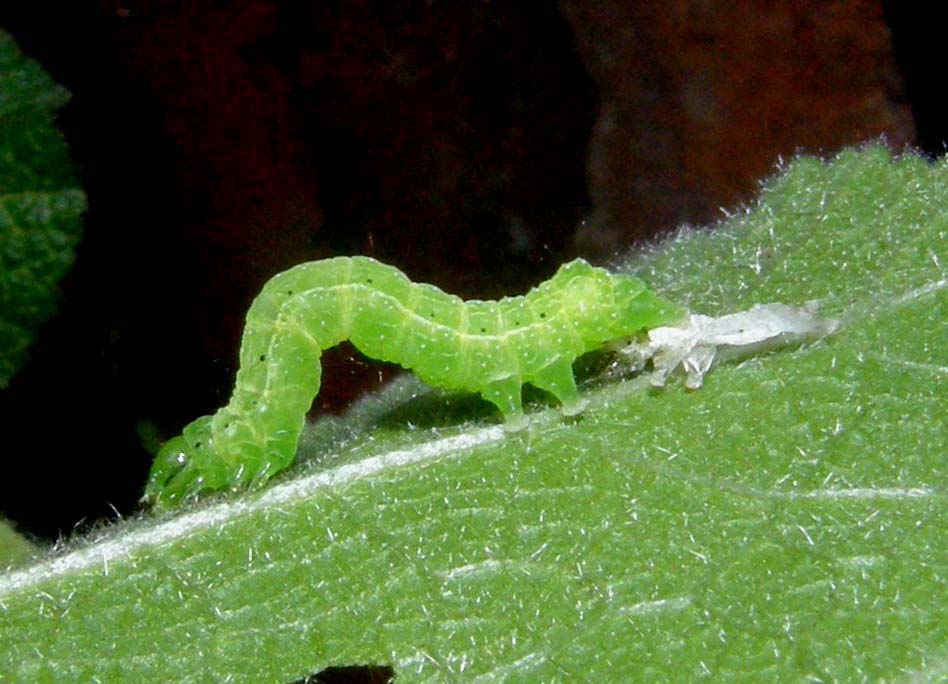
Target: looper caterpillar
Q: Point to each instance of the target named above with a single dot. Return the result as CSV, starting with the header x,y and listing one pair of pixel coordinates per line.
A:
x,y
488,347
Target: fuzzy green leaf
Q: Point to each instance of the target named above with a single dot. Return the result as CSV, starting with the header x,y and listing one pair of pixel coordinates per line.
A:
x,y
40,206
786,522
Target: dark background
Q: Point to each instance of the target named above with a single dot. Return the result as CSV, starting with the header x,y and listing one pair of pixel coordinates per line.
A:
x,y
475,145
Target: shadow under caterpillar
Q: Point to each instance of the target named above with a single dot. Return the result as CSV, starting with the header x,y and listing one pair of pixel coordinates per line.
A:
x,y
488,347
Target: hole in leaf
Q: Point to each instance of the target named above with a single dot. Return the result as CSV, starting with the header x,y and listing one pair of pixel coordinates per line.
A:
x,y
351,674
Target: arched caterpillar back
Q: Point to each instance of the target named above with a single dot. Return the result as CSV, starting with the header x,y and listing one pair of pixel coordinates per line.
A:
x,y
489,347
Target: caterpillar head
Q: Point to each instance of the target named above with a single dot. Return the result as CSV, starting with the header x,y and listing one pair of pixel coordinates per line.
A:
x,y
213,453
178,468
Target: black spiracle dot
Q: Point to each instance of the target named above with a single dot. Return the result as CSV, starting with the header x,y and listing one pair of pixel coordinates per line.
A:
x,y
543,314
368,281
263,357
289,293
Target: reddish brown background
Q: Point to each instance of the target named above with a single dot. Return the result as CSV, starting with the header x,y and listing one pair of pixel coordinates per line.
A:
x,y
475,145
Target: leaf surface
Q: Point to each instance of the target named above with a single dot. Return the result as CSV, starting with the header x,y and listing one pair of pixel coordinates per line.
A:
x,y
786,522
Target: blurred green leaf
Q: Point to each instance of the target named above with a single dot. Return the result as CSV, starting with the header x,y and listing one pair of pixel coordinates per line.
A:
x,y
786,522
15,549
40,205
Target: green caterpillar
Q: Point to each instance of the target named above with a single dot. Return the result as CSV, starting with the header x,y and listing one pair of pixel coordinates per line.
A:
x,y
489,347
